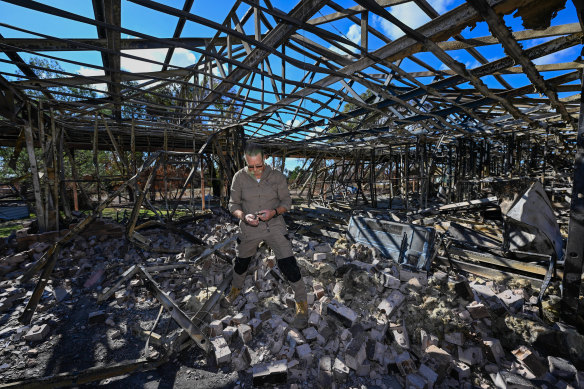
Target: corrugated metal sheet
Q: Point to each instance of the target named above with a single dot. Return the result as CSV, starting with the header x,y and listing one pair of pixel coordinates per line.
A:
x,y
408,244
14,212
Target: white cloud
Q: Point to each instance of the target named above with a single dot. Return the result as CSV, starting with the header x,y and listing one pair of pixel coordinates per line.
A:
x,y
181,57
290,125
409,14
557,57
91,72
316,132
217,73
354,35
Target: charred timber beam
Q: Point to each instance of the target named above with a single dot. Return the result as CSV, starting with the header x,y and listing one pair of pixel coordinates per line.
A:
x,y
514,50
89,375
177,31
280,34
82,44
351,11
458,67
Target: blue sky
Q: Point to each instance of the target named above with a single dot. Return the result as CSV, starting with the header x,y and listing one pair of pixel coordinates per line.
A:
x,y
138,18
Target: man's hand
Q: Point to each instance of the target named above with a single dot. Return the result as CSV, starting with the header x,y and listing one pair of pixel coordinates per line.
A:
x,y
266,214
251,219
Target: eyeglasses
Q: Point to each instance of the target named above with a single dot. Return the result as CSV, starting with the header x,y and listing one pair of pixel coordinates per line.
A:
x,y
255,167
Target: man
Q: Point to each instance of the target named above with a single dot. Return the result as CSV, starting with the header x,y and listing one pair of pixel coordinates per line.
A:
x,y
259,197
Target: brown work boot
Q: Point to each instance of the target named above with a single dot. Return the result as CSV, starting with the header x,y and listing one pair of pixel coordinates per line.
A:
x,y
301,319
230,298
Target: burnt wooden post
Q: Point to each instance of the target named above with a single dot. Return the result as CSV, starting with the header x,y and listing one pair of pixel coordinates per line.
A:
x,y
545,143
202,169
420,159
61,165
95,159
391,177
34,171
450,176
372,186
572,308
407,175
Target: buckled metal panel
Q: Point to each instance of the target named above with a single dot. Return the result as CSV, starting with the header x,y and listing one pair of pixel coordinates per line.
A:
x,y
408,244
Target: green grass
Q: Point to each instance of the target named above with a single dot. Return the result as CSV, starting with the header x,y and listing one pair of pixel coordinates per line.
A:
x,y
6,228
111,213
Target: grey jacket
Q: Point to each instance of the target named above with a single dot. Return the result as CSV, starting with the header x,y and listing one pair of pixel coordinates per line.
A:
x,y
251,196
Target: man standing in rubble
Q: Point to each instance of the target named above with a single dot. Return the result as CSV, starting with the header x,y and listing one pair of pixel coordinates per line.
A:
x,y
259,197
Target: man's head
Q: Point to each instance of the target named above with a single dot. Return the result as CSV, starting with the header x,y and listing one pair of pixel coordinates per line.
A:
x,y
254,157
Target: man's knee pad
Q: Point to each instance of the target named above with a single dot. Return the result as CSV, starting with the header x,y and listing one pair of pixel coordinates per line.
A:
x,y
290,268
241,264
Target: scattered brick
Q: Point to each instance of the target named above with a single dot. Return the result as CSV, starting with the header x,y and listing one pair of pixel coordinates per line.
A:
x,y
37,332
245,332
221,350
345,314
271,373
355,352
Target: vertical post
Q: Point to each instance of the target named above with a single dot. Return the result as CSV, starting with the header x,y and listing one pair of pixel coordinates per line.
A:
x,y
133,147
372,187
229,51
55,170
202,182
193,166
544,158
95,162
391,176
407,175
283,71
283,164
34,171
427,172
61,164
364,32
420,152
450,177
46,186
165,166
572,308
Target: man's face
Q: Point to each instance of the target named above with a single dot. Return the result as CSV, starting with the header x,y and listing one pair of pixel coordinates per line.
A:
x,y
255,165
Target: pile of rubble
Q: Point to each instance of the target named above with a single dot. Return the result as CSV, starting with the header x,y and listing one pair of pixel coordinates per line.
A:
x,y
372,322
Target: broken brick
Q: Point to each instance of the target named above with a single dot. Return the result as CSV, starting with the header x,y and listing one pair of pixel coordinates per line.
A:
x,y
221,350
345,314
340,370
355,352
229,333
405,364
37,332
216,327
271,373
561,368
96,317
245,332
304,352
391,303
